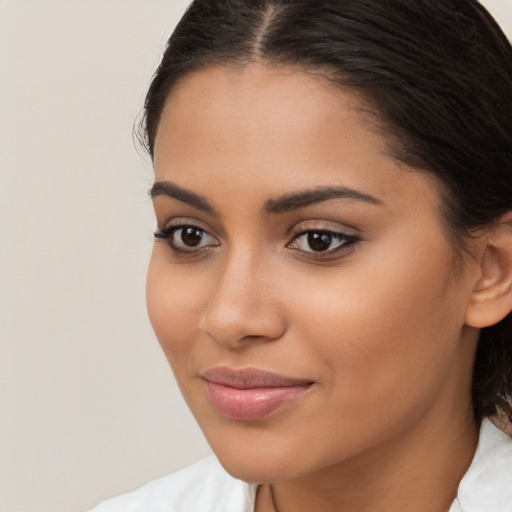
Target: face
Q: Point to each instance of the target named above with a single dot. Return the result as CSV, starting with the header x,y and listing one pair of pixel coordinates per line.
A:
x,y
301,284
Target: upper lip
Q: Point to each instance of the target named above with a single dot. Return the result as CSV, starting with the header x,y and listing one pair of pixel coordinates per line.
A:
x,y
250,378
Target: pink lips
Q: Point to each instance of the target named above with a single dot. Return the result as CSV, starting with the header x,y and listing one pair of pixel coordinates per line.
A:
x,y
249,394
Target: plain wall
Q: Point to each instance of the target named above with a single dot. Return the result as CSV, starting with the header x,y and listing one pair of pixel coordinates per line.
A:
x,y
88,406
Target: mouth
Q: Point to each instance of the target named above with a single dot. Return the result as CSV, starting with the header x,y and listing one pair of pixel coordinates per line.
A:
x,y
249,394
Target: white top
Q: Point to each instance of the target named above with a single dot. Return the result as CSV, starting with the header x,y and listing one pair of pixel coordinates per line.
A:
x,y
206,487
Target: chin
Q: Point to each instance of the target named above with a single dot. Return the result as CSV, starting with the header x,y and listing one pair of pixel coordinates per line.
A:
x,y
259,471
260,459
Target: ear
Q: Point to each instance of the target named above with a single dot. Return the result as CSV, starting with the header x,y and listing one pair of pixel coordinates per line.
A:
x,y
491,299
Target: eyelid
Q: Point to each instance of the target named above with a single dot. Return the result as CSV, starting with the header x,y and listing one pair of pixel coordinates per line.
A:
x,y
183,221
167,233
348,238
340,251
323,225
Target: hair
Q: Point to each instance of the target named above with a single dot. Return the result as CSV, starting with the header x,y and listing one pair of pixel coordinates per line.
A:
x,y
438,73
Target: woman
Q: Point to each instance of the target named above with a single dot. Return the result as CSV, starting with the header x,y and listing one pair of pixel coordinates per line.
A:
x,y
332,275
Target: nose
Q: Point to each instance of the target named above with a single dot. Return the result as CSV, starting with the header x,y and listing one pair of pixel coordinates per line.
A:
x,y
243,305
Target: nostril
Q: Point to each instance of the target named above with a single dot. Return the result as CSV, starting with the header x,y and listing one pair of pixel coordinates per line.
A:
x,y
250,337
240,310
243,330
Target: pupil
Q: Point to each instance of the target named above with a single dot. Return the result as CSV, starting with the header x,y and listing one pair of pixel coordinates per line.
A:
x,y
319,241
191,236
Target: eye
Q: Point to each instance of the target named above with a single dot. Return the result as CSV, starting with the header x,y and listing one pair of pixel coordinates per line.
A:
x,y
186,238
322,241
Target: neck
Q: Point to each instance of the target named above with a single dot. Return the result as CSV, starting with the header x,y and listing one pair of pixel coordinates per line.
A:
x,y
418,470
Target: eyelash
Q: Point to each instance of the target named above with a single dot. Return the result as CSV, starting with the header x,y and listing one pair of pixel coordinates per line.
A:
x,y
347,242
167,234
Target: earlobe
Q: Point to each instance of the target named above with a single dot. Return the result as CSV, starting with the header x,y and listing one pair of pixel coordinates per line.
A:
x,y
491,299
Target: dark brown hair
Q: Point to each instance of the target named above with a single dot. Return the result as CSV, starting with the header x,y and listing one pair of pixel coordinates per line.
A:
x,y
440,75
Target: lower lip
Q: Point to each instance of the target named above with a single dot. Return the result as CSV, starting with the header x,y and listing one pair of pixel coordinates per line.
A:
x,y
252,404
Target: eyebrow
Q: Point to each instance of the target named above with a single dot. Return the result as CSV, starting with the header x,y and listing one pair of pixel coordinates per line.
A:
x,y
282,204
166,188
297,200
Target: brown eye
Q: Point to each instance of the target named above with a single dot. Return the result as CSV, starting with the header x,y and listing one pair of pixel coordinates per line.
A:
x,y
187,239
191,236
320,241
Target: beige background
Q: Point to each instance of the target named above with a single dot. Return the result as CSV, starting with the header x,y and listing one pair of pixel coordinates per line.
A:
x,y
88,406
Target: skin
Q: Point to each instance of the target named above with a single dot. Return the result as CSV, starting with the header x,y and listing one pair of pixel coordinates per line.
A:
x,y
379,326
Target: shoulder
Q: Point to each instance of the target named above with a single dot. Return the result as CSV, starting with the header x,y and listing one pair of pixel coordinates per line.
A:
x,y
487,484
204,486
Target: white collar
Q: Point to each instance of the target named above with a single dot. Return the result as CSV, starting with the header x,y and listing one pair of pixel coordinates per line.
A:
x,y
487,485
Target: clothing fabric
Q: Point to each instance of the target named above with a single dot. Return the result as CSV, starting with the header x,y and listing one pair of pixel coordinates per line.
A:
x,y
202,487
206,487
487,485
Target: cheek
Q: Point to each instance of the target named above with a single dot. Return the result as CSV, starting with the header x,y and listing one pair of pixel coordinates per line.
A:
x,y
175,301
395,321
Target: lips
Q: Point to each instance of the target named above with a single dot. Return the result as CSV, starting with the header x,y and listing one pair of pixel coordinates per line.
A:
x,y
250,394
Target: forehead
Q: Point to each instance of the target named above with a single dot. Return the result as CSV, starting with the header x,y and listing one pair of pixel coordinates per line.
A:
x,y
261,96
272,129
